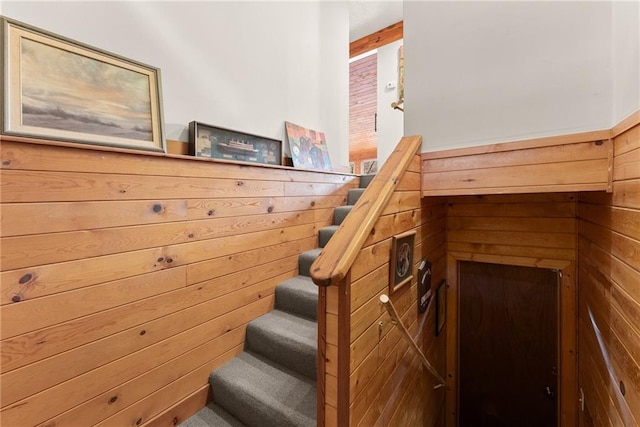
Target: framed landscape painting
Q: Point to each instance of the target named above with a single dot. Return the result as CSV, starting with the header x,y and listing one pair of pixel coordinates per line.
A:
x,y
60,89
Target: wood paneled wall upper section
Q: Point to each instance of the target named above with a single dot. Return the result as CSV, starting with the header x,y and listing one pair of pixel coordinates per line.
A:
x,y
383,382
127,277
511,227
609,277
578,162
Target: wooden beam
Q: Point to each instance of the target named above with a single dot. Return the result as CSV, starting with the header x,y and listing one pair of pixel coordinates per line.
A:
x,y
379,38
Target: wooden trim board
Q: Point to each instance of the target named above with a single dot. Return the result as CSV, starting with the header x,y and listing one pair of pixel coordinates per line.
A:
x,y
379,38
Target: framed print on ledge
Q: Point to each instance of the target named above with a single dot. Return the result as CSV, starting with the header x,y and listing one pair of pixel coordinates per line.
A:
x,y
60,89
401,268
219,143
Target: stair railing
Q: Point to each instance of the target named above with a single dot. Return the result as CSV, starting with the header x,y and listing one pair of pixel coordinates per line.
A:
x,y
395,319
338,255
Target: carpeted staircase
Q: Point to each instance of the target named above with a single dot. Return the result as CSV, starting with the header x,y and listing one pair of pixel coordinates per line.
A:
x,y
272,383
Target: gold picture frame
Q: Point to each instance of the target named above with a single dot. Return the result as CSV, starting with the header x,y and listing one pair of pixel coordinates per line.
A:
x,y
401,268
60,89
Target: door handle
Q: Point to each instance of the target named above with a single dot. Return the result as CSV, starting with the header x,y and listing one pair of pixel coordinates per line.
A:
x,y
550,393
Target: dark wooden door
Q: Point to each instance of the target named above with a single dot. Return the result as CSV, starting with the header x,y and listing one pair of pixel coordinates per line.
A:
x,y
508,320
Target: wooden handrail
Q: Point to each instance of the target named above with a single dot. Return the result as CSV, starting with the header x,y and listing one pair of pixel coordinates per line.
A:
x,y
384,299
338,255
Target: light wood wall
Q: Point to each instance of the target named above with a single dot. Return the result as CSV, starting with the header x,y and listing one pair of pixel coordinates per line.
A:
x,y
384,382
575,162
533,230
127,277
609,276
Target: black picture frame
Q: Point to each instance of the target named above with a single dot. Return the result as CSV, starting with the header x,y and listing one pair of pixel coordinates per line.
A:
x,y
424,285
401,268
441,306
214,142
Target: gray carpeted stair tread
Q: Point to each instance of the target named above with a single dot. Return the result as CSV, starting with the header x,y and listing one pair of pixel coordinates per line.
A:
x,y
354,194
325,233
305,259
298,295
285,338
211,415
340,213
259,392
365,180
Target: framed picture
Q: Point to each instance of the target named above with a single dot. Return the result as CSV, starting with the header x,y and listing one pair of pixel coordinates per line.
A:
x,y
441,306
401,269
308,148
57,88
424,285
369,166
219,143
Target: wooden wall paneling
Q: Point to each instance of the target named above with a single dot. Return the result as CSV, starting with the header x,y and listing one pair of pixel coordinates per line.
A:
x,y
27,218
325,362
157,402
52,278
20,186
568,346
581,162
208,356
160,259
48,372
451,334
344,338
380,361
41,155
600,342
222,265
609,322
181,410
62,337
18,319
52,401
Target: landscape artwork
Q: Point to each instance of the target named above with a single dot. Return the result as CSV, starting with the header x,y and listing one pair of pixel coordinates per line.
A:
x,y
308,148
62,90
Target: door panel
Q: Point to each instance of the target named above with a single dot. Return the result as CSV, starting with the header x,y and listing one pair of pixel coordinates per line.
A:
x,y
508,345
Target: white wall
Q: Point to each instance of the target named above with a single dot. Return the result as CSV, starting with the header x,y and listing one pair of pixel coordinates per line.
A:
x,y
390,121
485,72
247,66
626,59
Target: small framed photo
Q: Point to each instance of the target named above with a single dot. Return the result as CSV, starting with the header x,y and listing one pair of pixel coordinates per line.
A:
x,y
219,143
369,167
60,89
441,306
401,269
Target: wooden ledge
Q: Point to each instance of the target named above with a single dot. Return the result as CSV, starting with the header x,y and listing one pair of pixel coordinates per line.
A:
x,y
576,162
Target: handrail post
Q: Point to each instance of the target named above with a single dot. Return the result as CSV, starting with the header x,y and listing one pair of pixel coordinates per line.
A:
x,y
384,299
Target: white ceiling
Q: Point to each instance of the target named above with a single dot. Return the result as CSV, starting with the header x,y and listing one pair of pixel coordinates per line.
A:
x,y
368,16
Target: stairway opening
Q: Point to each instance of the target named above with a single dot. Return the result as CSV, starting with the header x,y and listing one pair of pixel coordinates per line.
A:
x,y
272,383
508,348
